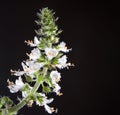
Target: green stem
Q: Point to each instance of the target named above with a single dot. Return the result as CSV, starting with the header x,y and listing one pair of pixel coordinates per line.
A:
x,y
36,86
17,107
39,81
22,103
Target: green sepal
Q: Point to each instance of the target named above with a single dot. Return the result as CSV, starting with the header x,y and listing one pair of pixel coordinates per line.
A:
x,y
6,102
40,99
49,81
55,60
46,89
42,58
42,46
28,79
26,87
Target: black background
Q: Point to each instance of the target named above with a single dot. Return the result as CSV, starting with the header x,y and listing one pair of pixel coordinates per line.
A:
x,y
91,29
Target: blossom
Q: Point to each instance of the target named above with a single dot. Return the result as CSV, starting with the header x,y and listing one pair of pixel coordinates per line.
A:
x,y
55,76
17,73
31,67
62,47
49,109
51,53
57,88
35,43
62,62
35,54
38,102
45,103
17,86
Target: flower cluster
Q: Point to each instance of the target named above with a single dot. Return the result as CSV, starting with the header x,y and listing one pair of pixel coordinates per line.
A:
x,y
43,65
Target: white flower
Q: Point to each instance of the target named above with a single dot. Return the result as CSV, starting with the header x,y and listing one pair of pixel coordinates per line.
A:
x,y
17,73
45,103
62,62
62,47
42,94
47,108
55,76
50,110
57,88
33,44
38,102
36,41
51,53
17,86
31,67
35,54
34,66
